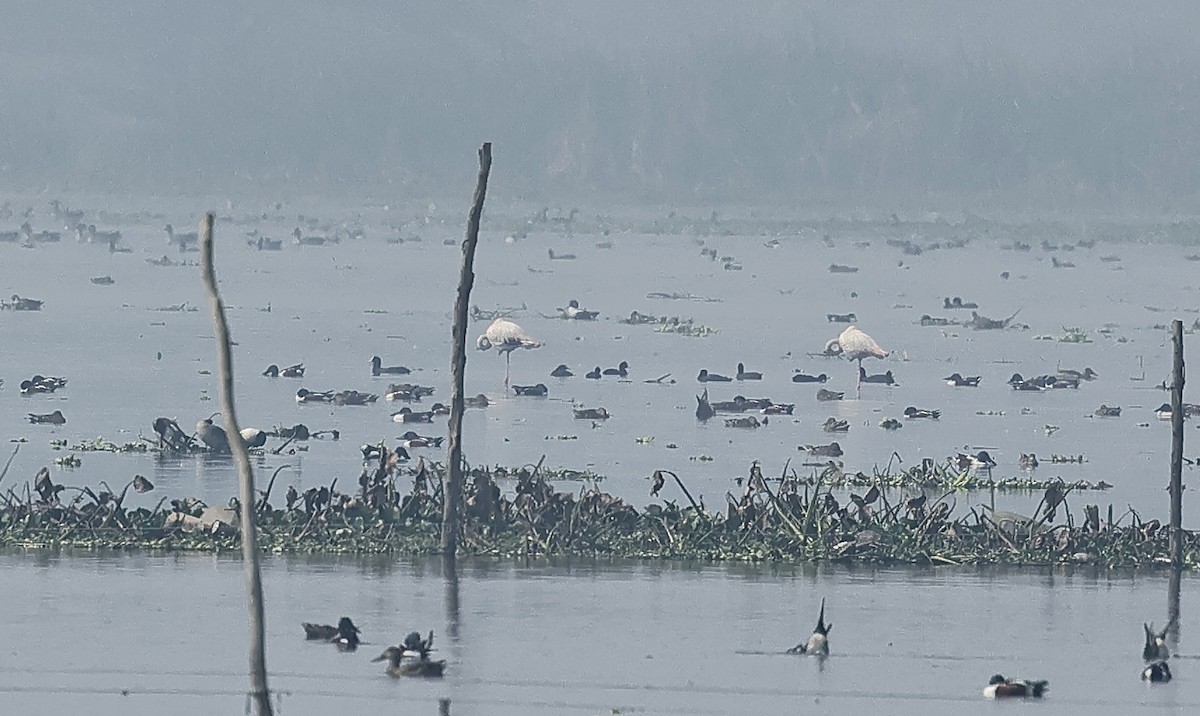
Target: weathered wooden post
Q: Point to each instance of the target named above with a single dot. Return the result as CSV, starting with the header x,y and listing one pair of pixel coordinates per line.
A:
x,y
452,488
258,659
1177,448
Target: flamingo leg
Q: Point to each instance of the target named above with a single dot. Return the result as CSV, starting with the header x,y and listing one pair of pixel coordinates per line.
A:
x,y
858,381
507,365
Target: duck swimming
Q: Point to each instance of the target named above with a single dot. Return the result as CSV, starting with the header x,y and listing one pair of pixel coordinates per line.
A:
x,y
1028,462
562,371
833,425
531,390
575,313
959,381
706,377
406,415
806,378
412,659
880,378
292,371
621,370
830,450
353,397
479,401
378,368
591,414
980,459
345,634
1000,688
594,374
913,413
748,421
704,409
743,374
1106,411
827,395
818,643
411,439
55,418
304,395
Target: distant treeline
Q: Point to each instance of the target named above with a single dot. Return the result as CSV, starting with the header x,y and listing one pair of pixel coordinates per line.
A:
x,y
400,97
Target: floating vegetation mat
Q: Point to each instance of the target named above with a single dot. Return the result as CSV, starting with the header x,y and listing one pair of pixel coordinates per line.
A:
x,y
669,324
397,509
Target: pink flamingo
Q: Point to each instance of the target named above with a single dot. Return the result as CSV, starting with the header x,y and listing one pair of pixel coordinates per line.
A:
x,y
856,345
506,336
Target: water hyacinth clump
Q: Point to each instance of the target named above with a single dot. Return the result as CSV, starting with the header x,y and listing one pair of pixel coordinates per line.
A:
x,y
398,509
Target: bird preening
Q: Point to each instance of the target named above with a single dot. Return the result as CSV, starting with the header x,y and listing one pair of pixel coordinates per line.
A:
x,y
818,642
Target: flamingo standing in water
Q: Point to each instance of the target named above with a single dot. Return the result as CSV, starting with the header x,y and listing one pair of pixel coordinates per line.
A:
x,y
506,336
856,345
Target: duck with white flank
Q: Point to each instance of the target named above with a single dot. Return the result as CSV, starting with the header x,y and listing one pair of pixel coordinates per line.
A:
x,y
304,396
980,461
344,635
506,337
818,642
959,381
706,377
1001,688
575,313
378,368
914,413
1157,673
412,659
743,374
412,439
406,415
292,371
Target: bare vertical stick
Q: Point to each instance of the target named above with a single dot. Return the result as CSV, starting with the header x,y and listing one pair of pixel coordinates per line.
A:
x,y
452,490
1177,448
241,458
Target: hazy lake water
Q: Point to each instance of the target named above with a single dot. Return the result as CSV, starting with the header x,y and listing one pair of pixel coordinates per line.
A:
x,y
578,637
333,307
588,638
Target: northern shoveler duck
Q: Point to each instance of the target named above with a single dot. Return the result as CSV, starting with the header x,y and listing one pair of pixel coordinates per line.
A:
x,y
440,409
538,390
212,435
706,377
957,302
833,425
55,418
345,634
378,368
748,421
1157,673
980,459
958,381
412,659
913,413
704,409
1028,462
1163,413
292,371
779,409
743,374
55,383
406,415
353,397
409,392
879,378
818,643
621,370
575,313
830,450
594,374
1155,648
591,414
562,371
479,401
411,439
1105,411
1085,374
827,395
30,387
806,378
1001,688
304,395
